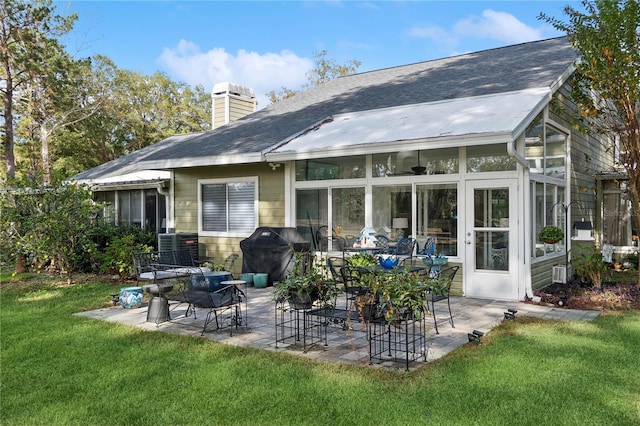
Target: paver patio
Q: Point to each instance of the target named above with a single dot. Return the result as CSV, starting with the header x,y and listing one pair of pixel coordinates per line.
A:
x,y
346,346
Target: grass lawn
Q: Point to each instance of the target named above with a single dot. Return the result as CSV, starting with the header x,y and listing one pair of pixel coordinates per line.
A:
x,y
60,369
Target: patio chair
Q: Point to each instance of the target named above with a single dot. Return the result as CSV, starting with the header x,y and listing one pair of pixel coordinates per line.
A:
x,y
405,247
226,299
446,276
429,248
382,243
334,264
352,284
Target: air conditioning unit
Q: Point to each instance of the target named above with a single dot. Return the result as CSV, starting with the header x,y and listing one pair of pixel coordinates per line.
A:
x,y
559,274
179,241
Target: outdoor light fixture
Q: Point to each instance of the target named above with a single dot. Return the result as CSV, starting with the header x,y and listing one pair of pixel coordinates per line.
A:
x,y
274,165
474,336
510,314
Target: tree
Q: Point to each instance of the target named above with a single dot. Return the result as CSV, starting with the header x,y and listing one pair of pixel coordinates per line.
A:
x,y
28,32
324,70
607,81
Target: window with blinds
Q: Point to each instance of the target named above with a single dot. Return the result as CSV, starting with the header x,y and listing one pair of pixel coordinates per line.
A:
x,y
228,206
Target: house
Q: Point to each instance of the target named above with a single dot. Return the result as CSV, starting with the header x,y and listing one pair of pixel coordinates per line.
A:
x,y
477,151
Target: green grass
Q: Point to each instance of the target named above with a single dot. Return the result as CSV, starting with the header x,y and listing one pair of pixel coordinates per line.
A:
x,y
59,369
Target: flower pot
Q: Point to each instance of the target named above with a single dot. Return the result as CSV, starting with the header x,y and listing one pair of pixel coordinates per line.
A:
x,y
301,300
131,297
260,280
248,278
369,311
551,241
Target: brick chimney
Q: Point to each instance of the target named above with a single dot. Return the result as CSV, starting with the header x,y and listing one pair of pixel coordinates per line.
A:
x,y
231,102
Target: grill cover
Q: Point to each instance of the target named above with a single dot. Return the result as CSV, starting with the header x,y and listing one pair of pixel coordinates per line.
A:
x,y
270,250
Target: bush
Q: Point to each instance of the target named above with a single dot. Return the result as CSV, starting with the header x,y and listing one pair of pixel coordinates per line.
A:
x,y
109,248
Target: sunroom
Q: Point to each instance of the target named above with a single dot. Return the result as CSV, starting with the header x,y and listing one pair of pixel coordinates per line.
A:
x,y
481,175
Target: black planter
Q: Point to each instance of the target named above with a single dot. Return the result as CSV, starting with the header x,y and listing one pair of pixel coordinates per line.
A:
x,y
302,299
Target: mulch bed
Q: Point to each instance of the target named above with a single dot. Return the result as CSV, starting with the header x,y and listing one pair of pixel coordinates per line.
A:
x,y
611,297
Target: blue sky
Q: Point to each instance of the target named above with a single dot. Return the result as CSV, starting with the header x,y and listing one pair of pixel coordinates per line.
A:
x,y
265,45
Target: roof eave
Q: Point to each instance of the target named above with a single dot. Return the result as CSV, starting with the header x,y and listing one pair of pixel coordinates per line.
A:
x,y
218,160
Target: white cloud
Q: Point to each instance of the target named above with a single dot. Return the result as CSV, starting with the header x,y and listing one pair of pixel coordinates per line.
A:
x,y
260,72
500,26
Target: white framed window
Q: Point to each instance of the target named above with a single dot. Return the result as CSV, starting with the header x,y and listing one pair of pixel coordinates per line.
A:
x,y
227,207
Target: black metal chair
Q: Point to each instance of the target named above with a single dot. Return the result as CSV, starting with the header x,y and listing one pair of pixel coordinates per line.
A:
x,y
352,284
441,292
405,247
225,299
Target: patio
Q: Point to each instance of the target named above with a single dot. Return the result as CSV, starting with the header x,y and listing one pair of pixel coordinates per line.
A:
x,y
343,346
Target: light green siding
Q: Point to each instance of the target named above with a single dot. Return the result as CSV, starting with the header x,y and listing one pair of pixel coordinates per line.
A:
x,y
271,205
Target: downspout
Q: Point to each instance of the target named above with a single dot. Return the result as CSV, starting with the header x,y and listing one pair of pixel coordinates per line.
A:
x,y
167,204
512,152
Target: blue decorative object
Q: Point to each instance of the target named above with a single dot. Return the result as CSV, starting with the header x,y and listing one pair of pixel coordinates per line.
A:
x,y
131,297
388,262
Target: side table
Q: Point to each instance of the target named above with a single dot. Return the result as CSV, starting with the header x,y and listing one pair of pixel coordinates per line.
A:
x,y
158,310
244,320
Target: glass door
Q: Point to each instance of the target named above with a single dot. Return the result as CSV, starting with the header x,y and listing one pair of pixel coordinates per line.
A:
x,y
491,240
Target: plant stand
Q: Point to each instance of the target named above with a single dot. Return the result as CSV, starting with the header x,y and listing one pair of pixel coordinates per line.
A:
x,y
402,341
295,325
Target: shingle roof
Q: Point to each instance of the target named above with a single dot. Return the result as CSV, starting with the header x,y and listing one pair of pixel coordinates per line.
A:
x,y
513,68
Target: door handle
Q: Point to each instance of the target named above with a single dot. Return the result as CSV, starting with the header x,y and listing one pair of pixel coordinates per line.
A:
x,y
468,242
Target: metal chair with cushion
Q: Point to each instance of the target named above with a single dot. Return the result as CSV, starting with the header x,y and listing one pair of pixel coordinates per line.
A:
x,y
441,292
382,244
429,248
405,247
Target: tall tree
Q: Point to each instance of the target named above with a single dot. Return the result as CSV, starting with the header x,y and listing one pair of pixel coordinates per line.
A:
x,y
607,85
324,70
28,32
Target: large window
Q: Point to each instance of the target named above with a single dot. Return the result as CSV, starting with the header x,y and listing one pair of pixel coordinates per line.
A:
x,y
489,158
437,216
392,204
330,168
227,206
545,152
619,228
547,200
408,163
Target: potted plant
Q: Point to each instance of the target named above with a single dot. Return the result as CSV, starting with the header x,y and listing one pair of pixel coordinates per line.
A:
x,y
400,293
305,285
550,234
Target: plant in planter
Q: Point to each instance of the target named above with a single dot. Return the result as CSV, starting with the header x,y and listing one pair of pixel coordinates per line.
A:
x,y
401,294
550,234
305,285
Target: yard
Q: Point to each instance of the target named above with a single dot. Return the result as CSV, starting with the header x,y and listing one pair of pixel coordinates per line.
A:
x,y
62,369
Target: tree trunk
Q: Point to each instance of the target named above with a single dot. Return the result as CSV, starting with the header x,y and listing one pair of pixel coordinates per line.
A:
x,y
9,156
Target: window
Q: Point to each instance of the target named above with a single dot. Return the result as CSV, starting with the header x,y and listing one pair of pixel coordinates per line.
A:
x,y
618,222
489,158
389,203
437,216
227,206
407,163
545,198
330,168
